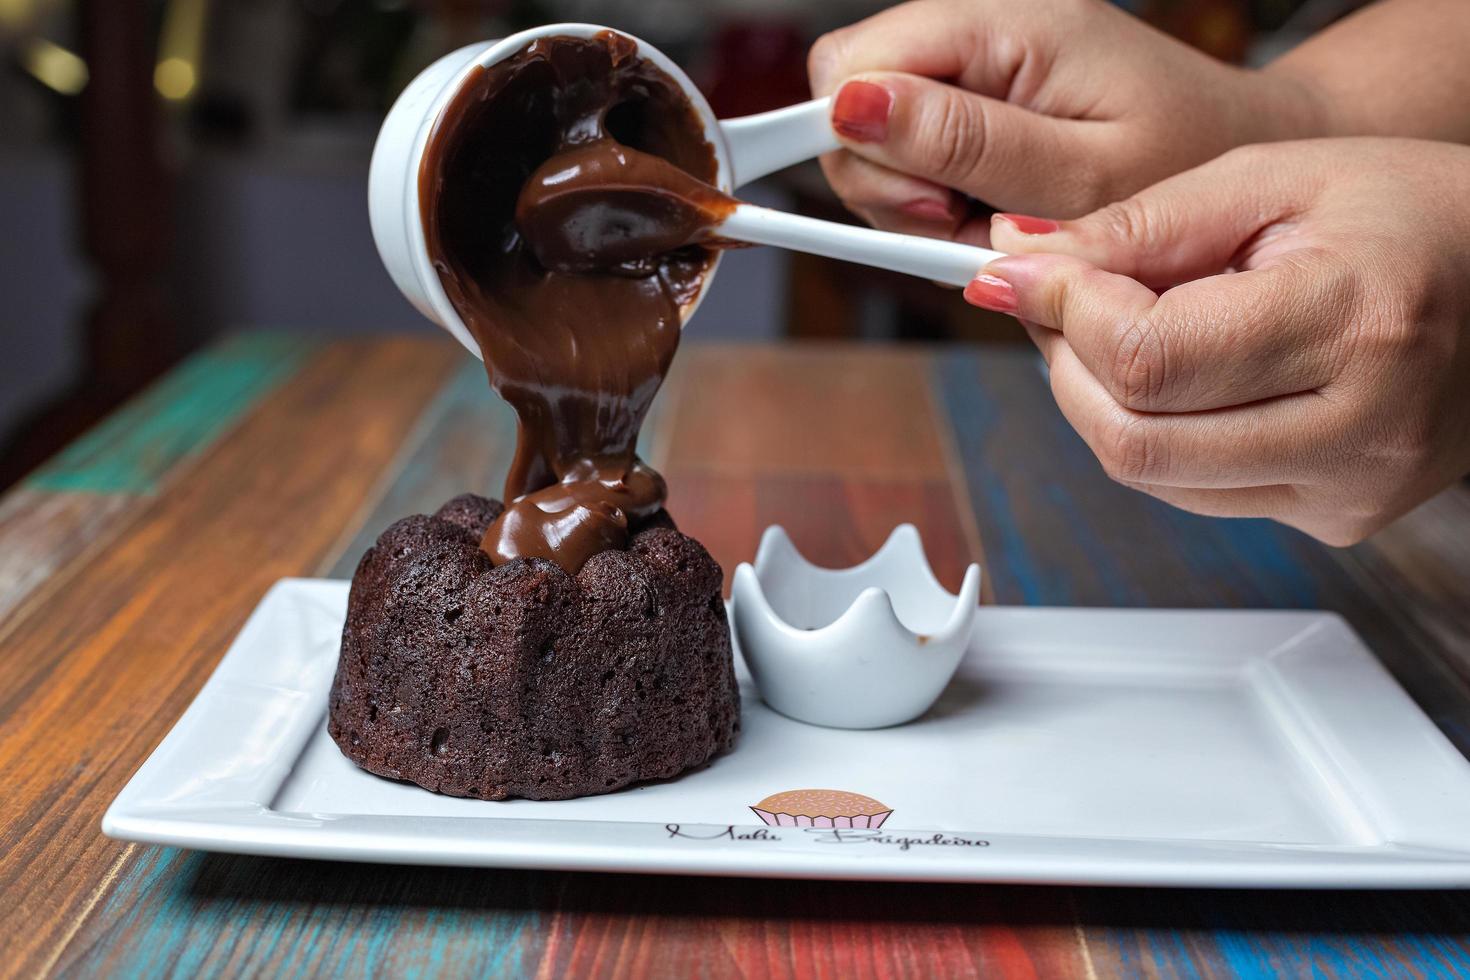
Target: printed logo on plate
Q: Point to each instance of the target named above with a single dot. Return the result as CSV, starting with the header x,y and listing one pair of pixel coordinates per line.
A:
x,y
826,816
822,808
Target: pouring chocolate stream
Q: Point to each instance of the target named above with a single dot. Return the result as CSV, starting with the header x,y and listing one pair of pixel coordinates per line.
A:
x,y
578,344
568,208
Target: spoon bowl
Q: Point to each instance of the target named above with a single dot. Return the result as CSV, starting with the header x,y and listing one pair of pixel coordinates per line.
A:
x,y
603,205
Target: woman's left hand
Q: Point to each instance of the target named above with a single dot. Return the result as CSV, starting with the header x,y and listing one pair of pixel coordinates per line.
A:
x,y
1283,332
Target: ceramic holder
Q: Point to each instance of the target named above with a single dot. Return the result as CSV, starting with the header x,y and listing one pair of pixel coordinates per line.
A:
x,y
863,647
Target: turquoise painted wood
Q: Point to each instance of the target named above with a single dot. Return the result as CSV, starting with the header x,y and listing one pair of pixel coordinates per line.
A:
x,y
222,912
178,416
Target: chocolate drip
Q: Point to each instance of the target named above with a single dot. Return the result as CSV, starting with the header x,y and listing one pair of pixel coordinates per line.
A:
x,y
578,354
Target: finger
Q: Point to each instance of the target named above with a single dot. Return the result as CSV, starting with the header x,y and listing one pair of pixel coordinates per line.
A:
x,y
897,202
1285,504
982,146
1276,502
867,187
1046,340
1225,340
1193,224
969,231
1265,444
928,37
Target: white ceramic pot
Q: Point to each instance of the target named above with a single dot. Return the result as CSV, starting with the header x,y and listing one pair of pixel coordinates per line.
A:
x,y
746,149
863,647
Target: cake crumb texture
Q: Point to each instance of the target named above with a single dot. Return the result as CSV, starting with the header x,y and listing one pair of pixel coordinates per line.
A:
x,y
523,681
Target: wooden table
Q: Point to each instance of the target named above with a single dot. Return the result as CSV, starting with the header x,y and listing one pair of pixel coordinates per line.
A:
x,y
128,563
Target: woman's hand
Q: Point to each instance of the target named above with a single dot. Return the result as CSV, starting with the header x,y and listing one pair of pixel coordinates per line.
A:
x,y
1050,107
1325,384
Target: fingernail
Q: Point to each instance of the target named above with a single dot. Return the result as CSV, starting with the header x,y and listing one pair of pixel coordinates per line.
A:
x,y
928,209
991,293
860,111
1028,225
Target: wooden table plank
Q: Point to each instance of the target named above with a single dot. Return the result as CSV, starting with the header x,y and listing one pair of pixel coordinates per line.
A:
x,y
42,532
183,412
92,676
77,501
832,522
1419,570
830,409
1207,933
225,913
798,436
184,913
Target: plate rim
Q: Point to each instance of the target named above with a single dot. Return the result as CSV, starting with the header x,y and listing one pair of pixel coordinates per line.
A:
x,y
1406,855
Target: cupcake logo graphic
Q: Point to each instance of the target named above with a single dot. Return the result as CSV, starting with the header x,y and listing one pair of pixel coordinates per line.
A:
x,y
821,808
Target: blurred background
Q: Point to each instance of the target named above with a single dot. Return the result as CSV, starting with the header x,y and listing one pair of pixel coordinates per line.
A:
x,y
174,169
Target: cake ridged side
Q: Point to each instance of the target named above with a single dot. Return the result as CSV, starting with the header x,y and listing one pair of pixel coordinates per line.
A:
x,y
523,681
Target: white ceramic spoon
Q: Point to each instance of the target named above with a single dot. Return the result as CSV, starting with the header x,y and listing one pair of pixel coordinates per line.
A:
x,y
931,258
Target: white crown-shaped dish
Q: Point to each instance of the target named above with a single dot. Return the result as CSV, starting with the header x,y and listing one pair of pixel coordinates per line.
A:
x,y
863,647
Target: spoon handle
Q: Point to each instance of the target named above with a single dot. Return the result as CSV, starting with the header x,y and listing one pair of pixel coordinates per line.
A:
x,y
929,258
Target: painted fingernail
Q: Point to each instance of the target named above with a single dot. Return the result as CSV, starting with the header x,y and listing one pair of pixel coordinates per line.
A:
x,y
860,111
1028,225
991,293
928,209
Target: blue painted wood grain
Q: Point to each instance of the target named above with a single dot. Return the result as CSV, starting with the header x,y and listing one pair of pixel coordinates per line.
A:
x,y
179,416
187,914
1058,532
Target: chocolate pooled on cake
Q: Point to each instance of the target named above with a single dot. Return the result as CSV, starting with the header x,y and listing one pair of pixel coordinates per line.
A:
x,y
573,642
522,680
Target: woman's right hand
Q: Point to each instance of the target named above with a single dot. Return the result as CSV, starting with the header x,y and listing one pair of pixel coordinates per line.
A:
x,y
1049,107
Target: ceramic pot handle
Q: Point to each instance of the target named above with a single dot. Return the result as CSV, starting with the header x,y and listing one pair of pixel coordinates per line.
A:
x,y
769,141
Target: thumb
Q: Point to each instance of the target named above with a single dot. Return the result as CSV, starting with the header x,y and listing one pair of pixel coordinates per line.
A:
x,y
984,147
1191,225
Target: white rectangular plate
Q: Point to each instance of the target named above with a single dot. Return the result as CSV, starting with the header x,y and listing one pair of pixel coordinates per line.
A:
x,y
1209,748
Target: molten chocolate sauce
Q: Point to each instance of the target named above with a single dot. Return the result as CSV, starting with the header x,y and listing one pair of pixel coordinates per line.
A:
x,y
577,348
605,206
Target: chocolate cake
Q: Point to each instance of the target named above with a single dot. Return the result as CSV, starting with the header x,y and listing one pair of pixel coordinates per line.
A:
x,y
522,680
573,642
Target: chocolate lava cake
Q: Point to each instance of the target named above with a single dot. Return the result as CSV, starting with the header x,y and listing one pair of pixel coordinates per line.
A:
x,y
521,680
